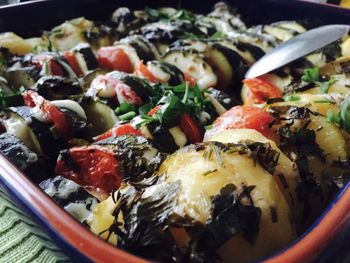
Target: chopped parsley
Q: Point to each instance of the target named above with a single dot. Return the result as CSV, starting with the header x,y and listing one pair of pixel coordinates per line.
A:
x,y
312,75
174,101
342,118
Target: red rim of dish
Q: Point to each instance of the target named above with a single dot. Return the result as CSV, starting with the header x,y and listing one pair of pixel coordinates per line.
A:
x,y
98,250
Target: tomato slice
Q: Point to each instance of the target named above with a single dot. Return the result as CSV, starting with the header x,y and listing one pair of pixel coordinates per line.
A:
x,y
143,71
114,58
73,63
260,90
54,67
90,166
244,117
126,94
191,81
119,131
191,129
49,110
154,110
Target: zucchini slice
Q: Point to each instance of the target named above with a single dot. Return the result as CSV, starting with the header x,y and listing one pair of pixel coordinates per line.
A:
x,y
228,64
226,60
220,24
41,133
16,125
100,117
89,77
194,65
71,196
22,77
57,88
291,25
22,157
165,72
85,57
281,33
145,49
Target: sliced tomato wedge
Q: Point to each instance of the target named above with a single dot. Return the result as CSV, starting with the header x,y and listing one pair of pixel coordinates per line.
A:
x,y
259,91
114,58
91,166
54,67
154,110
126,94
244,117
142,71
119,130
190,128
49,111
73,63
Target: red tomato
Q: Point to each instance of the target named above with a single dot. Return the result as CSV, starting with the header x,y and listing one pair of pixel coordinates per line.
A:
x,y
91,166
191,129
126,94
260,90
142,71
50,111
154,110
191,81
244,117
114,58
54,67
73,63
119,131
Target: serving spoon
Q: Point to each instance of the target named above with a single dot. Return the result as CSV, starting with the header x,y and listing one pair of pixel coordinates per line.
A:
x,y
297,47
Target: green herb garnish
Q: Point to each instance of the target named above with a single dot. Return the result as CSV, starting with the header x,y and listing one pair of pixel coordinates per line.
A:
x,y
312,75
125,107
293,97
127,116
342,118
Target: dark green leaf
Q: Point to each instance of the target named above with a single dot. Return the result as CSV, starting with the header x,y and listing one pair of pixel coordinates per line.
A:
x,y
127,116
125,107
311,75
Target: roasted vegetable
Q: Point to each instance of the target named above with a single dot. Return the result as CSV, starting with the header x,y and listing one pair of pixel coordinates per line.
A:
x,y
72,197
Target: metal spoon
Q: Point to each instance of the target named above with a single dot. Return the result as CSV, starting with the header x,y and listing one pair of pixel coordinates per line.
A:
x,y
297,47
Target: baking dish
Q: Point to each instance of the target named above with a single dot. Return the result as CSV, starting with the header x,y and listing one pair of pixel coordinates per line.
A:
x,y
69,234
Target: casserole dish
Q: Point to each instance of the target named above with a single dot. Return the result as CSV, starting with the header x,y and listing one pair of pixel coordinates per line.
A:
x,y
62,228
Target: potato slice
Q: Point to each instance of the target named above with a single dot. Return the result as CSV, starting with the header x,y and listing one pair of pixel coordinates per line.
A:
x,y
15,44
203,177
286,172
102,219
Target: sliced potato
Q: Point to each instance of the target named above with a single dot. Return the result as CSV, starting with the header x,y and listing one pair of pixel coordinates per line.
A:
x,y
102,219
286,172
15,44
203,177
